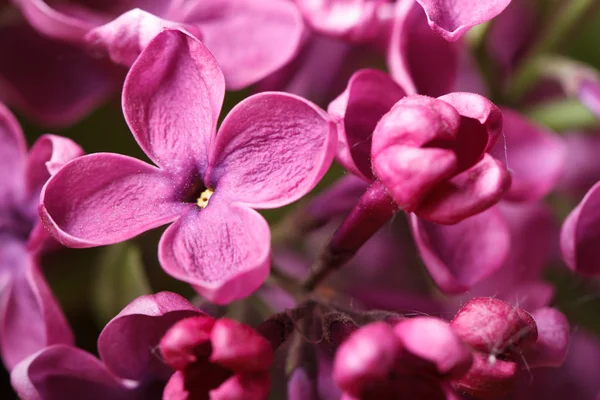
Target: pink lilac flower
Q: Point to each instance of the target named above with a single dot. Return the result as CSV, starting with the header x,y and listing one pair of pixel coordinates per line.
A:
x,y
271,149
220,359
582,170
505,341
416,358
128,368
123,30
30,317
71,84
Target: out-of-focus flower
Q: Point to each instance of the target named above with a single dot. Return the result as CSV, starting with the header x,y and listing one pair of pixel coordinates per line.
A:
x,y
416,358
30,317
220,359
582,170
123,30
129,367
506,340
271,149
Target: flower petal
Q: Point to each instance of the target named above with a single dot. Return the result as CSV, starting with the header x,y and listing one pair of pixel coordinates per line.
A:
x,y
276,28
13,150
171,100
532,177
129,342
582,167
107,198
419,60
369,95
64,372
242,387
466,194
271,150
580,235
30,316
124,38
222,250
47,155
452,18
550,349
458,256
71,84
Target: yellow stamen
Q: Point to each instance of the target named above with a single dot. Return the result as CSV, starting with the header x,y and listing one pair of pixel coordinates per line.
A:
x,y
204,197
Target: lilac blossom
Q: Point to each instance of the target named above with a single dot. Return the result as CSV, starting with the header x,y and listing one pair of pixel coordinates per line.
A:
x,y
30,317
271,149
122,30
416,358
217,359
128,369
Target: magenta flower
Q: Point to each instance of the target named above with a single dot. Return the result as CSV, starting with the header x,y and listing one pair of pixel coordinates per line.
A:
x,y
432,155
217,359
123,30
271,149
30,317
128,369
505,341
415,359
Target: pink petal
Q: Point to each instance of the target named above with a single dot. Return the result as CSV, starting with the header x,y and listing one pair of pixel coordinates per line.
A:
x,y
467,194
588,92
31,318
354,20
107,198
239,348
124,38
550,350
476,107
369,95
276,28
128,343
222,250
242,387
171,100
581,169
71,84
65,372
419,60
13,151
271,150
452,18
433,340
532,177
459,256
47,155
580,234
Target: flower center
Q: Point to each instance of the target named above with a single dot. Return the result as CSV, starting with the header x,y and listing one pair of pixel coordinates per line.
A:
x,y
202,201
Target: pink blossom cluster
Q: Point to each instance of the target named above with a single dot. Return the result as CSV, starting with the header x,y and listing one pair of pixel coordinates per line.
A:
x,y
450,253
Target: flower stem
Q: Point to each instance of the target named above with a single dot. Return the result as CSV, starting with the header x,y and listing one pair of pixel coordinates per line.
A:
x,y
373,210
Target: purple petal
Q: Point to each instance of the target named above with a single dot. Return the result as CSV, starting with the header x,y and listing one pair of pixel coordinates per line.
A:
x,y
242,387
62,372
171,100
580,235
47,155
532,177
458,256
222,250
467,194
419,60
107,198
276,28
13,150
31,318
71,84
129,342
271,150
433,340
588,92
550,350
452,18
369,95
124,38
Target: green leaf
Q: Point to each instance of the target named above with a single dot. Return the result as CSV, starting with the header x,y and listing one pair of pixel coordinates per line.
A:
x,y
120,278
563,115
